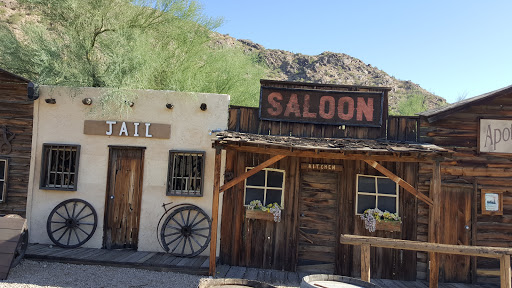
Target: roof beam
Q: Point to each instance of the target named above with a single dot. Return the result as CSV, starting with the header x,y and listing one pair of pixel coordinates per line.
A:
x,y
399,181
334,153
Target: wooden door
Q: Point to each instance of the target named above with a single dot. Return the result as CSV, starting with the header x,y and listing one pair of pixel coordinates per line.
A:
x,y
317,221
123,198
456,230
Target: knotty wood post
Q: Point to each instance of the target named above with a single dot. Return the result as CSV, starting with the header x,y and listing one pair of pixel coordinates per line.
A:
x,y
505,271
365,262
435,222
215,211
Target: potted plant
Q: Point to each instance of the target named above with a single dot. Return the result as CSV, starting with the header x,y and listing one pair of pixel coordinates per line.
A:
x,y
375,219
256,210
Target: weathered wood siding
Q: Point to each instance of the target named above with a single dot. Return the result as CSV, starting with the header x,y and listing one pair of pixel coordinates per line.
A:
x,y
471,172
16,113
266,244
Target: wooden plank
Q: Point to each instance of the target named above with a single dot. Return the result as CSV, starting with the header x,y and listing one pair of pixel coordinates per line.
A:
x,y
490,252
365,262
215,211
434,223
399,181
251,172
505,272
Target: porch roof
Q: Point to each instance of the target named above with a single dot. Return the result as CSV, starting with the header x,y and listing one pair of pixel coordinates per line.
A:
x,y
342,146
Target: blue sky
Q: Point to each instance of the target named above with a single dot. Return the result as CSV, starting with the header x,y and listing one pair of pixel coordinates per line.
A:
x,y
451,47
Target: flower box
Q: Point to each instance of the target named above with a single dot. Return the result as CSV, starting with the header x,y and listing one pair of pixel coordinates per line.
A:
x,y
392,226
258,214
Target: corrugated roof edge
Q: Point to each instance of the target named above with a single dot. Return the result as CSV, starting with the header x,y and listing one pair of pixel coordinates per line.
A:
x,y
441,112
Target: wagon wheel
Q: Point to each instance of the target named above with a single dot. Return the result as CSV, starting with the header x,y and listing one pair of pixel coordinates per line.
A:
x,y
21,248
186,231
71,223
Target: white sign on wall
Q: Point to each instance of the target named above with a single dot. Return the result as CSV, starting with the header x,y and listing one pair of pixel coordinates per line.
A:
x,y
495,136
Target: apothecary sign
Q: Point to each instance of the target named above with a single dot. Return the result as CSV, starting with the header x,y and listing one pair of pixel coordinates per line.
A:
x,y
127,129
321,106
495,136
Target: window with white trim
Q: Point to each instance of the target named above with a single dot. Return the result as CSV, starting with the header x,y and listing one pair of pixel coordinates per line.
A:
x,y
376,192
267,186
4,164
59,167
185,174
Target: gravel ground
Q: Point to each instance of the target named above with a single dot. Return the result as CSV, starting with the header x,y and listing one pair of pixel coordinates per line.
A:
x,y
32,274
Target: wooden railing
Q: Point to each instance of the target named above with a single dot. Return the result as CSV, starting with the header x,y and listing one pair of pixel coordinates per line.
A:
x,y
490,252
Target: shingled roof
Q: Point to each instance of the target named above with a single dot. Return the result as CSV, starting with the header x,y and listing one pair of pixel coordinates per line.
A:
x,y
329,144
441,112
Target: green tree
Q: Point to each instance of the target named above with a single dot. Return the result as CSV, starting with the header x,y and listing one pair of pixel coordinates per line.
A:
x,y
164,44
413,104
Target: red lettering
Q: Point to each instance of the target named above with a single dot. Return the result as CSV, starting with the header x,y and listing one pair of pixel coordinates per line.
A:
x,y
364,108
332,107
276,106
350,108
306,108
292,106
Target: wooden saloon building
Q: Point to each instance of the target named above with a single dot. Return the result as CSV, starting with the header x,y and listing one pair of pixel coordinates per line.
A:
x,y
325,153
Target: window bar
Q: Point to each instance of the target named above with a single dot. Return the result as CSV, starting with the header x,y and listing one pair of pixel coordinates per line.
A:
x,y
190,166
196,174
49,156
68,181
176,172
172,182
60,164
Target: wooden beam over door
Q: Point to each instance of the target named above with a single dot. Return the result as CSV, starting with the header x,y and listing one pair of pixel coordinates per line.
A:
x,y
399,181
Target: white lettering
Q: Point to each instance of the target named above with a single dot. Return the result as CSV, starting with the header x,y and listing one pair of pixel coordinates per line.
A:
x,y
136,125
147,130
123,130
110,123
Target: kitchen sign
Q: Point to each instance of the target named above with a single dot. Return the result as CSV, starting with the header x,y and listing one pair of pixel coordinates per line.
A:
x,y
127,129
495,136
321,106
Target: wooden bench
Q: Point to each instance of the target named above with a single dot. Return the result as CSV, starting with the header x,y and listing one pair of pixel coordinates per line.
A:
x,y
13,242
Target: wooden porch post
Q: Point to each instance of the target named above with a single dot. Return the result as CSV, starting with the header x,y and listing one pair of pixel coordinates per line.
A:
x,y
215,211
435,223
365,262
505,271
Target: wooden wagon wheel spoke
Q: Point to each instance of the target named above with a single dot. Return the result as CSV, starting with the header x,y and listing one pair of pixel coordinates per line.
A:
x,y
178,244
182,241
175,233
71,224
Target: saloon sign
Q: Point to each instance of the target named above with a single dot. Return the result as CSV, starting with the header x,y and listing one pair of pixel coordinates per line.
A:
x,y
321,107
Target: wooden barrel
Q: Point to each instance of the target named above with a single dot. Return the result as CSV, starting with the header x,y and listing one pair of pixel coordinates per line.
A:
x,y
233,283
333,281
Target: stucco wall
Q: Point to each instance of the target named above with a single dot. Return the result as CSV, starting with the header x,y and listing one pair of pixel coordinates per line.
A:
x,y
63,122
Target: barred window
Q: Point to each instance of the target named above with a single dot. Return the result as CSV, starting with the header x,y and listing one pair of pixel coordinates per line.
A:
x,y
4,164
376,192
185,173
59,170
267,186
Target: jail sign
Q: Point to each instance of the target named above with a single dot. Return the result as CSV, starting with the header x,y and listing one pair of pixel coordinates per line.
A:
x,y
495,136
321,106
127,129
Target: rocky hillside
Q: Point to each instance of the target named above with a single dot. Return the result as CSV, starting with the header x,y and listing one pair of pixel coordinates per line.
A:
x,y
334,68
